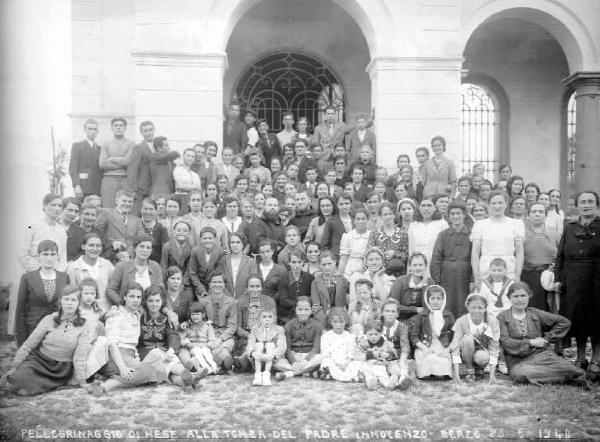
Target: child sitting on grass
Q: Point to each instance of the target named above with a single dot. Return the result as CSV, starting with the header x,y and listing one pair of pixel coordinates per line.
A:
x,y
397,333
476,339
196,335
266,345
337,349
95,318
431,335
303,338
380,352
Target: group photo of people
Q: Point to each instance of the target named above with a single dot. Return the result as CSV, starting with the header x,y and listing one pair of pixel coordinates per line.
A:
x,y
296,254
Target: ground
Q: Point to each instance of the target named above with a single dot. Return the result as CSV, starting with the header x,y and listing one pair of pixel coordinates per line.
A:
x,y
229,407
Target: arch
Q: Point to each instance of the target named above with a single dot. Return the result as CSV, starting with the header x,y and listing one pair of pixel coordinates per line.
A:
x,y
223,16
566,27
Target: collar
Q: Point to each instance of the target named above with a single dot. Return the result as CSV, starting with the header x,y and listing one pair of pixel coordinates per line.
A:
x,y
462,230
159,320
413,285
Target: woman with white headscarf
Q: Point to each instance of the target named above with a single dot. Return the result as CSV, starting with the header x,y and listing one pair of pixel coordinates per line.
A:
x,y
431,335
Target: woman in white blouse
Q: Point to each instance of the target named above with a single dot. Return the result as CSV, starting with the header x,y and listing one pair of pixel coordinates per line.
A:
x,y
497,237
423,234
185,178
354,245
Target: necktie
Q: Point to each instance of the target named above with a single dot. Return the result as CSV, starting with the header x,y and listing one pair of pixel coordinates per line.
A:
x,y
216,317
387,334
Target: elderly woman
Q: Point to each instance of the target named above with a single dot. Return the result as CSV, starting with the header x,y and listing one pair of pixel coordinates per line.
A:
x,y
451,260
38,291
577,272
439,172
391,240
497,237
46,229
177,298
539,250
92,265
141,270
525,335
55,350
374,272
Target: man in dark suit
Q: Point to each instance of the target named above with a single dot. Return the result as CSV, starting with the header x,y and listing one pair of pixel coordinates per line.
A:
x,y
269,227
84,165
300,147
235,132
138,170
337,225
118,227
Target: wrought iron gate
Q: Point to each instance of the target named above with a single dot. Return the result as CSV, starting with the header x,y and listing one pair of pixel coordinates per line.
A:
x,y
290,81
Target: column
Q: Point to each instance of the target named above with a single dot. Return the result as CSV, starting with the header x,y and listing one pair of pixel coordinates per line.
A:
x,y
587,129
415,99
182,93
36,95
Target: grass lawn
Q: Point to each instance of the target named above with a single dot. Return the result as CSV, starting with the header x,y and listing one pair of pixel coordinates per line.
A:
x,y
229,407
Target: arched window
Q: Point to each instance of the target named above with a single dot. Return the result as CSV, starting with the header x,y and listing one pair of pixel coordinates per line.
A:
x,y
480,123
571,122
291,81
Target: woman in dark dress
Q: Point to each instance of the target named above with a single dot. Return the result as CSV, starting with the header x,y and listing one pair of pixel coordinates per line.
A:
x,y
525,335
577,272
451,260
38,291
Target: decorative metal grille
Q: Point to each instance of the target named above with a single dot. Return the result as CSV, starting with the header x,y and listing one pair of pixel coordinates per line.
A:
x,y
571,122
289,81
479,126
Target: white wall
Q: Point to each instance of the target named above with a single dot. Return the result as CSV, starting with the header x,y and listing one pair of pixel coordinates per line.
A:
x,y
529,64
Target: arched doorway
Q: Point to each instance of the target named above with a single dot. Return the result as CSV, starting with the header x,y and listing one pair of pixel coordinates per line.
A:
x,y
289,81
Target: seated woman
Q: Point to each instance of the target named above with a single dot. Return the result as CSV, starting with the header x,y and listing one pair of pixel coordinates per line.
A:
x,y
124,368
178,299
249,306
327,288
374,272
408,289
38,289
525,335
54,351
475,340
159,341
432,334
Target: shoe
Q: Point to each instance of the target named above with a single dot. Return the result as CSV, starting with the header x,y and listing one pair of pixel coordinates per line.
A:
x,y
502,368
266,380
486,369
96,389
323,374
582,363
258,380
202,373
279,376
392,382
583,382
187,381
405,384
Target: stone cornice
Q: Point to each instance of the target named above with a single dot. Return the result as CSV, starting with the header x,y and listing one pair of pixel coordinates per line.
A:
x,y
179,59
414,64
582,78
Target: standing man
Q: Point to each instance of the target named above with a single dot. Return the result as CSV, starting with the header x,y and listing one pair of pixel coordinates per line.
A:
x,y
84,166
138,170
331,132
115,156
288,133
235,131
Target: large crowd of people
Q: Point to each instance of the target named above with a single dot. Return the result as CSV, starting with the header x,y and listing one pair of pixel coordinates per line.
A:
x,y
295,254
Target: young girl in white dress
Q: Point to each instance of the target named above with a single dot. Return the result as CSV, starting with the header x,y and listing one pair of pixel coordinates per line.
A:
x,y
338,348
